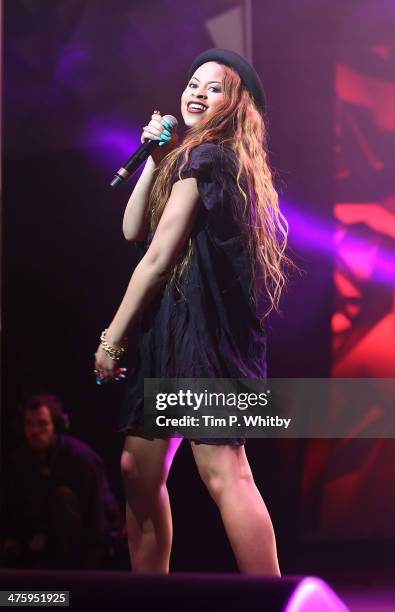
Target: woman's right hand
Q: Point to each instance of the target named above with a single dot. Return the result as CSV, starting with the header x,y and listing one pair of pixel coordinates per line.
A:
x,y
155,130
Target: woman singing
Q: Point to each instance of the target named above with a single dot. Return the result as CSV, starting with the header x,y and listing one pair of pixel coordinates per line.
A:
x,y
206,219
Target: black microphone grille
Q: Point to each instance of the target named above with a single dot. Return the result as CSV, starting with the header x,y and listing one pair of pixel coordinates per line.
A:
x,y
172,121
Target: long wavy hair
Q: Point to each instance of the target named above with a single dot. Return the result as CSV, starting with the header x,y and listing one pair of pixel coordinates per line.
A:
x,y
238,123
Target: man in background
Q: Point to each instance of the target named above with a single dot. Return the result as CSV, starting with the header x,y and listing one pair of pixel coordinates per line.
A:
x,y
58,509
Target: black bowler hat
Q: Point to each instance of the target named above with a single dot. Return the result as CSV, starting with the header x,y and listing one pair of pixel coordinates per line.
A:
x,y
245,71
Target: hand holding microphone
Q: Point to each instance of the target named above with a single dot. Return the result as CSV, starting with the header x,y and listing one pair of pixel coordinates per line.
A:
x,y
157,139
159,129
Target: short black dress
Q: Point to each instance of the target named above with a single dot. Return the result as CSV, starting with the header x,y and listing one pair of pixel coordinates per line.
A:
x,y
212,330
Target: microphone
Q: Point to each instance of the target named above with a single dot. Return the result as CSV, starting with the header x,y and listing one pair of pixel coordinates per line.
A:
x,y
142,153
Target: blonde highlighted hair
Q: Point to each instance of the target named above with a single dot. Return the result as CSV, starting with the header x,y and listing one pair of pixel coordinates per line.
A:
x,y
237,123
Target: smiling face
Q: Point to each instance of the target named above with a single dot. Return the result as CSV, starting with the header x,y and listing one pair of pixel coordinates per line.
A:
x,y
203,93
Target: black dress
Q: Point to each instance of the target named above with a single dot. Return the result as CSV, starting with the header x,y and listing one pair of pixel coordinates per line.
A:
x,y
212,330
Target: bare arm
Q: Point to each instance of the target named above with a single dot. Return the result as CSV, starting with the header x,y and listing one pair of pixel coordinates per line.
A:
x,y
136,220
150,274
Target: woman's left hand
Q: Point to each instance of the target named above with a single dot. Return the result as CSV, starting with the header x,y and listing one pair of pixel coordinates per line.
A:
x,y
106,368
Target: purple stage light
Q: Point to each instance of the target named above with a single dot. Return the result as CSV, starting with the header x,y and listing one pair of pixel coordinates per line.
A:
x,y
314,594
307,231
312,234
111,141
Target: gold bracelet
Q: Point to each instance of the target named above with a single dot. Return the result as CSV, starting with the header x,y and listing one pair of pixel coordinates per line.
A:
x,y
114,353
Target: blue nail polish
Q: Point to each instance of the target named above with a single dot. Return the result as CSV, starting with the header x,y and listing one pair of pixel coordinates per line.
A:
x,y
166,133
157,137
164,122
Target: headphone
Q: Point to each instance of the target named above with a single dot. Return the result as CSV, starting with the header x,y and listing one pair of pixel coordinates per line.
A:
x,y
33,401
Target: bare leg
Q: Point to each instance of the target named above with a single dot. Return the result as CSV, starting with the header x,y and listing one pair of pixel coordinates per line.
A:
x,y
145,467
226,472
